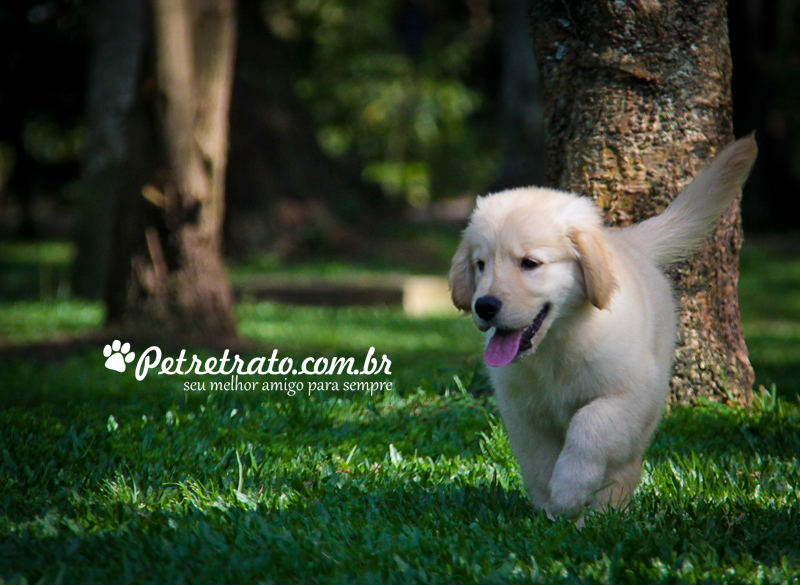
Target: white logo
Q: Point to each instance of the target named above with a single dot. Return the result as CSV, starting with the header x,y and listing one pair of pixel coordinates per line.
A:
x,y
118,355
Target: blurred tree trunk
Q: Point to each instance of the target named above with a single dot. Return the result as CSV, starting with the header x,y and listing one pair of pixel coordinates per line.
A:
x,y
522,130
166,271
118,37
283,192
637,101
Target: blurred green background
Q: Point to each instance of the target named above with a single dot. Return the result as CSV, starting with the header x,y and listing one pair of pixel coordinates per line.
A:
x,y
411,106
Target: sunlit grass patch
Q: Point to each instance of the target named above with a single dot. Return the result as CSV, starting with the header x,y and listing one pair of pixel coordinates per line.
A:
x,y
769,282
356,328
27,321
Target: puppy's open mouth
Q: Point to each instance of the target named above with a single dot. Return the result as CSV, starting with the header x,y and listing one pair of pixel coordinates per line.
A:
x,y
506,344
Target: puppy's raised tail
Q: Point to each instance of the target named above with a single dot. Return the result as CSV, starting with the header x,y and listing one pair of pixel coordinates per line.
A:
x,y
676,233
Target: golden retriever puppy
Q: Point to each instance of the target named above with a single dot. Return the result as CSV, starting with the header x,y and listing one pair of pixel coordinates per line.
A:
x,y
580,326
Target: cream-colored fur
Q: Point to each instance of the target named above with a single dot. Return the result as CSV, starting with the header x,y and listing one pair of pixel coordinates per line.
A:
x,y
581,404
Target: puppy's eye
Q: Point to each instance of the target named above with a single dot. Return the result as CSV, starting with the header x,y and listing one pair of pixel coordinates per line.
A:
x,y
480,265
529,264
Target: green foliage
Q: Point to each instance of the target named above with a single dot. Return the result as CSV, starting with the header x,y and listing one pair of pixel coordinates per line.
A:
x,y
406,111
43,252
47,143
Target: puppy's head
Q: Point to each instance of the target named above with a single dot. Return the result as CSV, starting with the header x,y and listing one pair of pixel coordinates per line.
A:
x,y
528,257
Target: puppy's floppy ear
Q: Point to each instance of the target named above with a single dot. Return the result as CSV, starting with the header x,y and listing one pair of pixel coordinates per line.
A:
x,y
595,260
462,278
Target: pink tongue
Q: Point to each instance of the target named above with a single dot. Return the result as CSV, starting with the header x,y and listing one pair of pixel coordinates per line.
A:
x,y
502,348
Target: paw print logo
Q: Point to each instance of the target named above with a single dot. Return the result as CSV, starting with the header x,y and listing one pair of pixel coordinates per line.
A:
x,y
118,355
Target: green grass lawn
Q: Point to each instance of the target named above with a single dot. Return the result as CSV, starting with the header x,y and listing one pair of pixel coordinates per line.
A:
x,y
106,479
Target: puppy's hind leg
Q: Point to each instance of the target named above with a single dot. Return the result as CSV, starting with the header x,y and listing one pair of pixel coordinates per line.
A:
x,y
619,485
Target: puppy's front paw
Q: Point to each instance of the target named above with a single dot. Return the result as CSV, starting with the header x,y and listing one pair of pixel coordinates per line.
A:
x,y
572,487
567,500
579,520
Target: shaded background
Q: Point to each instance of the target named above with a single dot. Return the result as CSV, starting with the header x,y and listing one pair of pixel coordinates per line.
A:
x,y
361,131
344,104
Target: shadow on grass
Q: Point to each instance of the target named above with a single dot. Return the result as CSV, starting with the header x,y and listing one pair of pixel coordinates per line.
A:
x,y
399,533
785,377
721,431
345,532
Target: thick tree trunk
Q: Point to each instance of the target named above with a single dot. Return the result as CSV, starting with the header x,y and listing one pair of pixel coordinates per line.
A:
x,y
636,102
167,271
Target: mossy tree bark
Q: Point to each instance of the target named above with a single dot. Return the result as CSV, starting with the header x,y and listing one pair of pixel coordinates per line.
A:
x,y
636,102
167,272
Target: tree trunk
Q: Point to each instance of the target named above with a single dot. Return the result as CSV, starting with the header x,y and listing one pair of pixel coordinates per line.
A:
x,y
284,193
636,102
167,272
118,36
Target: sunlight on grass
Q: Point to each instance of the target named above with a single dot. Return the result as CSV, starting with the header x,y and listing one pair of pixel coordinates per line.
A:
x,y
387,329
773,342
225,488
769,299
102,475
25,321
769,282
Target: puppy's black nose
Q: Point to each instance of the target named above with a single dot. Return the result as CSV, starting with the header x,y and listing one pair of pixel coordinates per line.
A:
x,y
487,307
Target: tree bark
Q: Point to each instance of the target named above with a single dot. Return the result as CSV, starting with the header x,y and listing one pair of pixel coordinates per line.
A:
x,y
167,272
636,102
